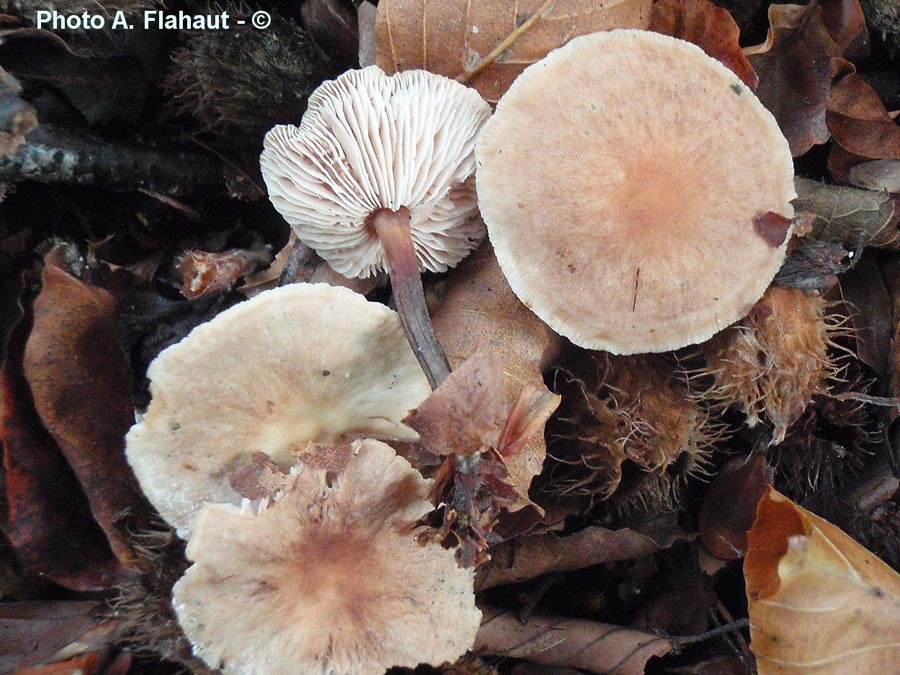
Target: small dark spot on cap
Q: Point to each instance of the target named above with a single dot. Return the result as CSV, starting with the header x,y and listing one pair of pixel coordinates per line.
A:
x,y
737,89
326,373
571,268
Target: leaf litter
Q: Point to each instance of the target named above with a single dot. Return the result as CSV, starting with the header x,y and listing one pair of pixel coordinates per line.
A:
x,y
647,593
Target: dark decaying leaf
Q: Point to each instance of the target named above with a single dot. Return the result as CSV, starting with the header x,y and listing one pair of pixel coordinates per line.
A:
x,y
794,68
846,24
814,265
458,37
729,507
333,26
869,303
863,130
33,632
79,380
709,27
558,641
100,66
528,557
848,215
49,522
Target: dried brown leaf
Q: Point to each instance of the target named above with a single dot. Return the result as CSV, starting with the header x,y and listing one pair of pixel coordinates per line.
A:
x,y
203,272
794,68
558,641
844,214
819,602
79,380
846,24
34,632
709,27
48,520
528,557
495,38
859,121
465,414
480,311
729,506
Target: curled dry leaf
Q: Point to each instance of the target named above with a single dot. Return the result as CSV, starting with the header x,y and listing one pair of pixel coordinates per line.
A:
x,y
863,131
709,27
848,215
488,43
558,641
794,68
48,520
480,311
203,272
40,631
528,557
819,602
729,506
465,413
79,380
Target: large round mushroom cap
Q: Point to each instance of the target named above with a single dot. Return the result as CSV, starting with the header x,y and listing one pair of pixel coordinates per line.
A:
x,y
637,194
306,362
327,580
367,142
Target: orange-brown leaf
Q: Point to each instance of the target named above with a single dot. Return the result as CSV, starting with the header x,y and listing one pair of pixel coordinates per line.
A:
x,y
456,37
559,641
79,380
465,414
709,27
48,521
480,311
819,602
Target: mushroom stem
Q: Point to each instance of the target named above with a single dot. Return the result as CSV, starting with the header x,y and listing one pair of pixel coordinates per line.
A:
x,y
393,230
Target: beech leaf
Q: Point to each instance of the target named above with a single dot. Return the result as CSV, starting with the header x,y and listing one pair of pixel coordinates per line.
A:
x,y
487,43
525,558
844,214
819,602
558,641
480,311
48,520
709,27
794,68
465,414
79,380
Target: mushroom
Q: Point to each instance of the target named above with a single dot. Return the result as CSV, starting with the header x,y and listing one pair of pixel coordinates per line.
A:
x,y
306,362
379,175
328,579
636,192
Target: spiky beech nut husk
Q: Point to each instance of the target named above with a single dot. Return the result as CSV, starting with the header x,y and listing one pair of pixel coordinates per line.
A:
x,y
240,83
771,363
627,428
830,443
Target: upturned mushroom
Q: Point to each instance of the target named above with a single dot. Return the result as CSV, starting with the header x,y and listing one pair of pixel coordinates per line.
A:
x,y
636,192
379,175
327,580
292,365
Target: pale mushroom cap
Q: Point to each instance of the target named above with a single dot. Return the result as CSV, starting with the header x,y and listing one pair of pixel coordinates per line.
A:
x,y
368,141
620,178
306,362
328,580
